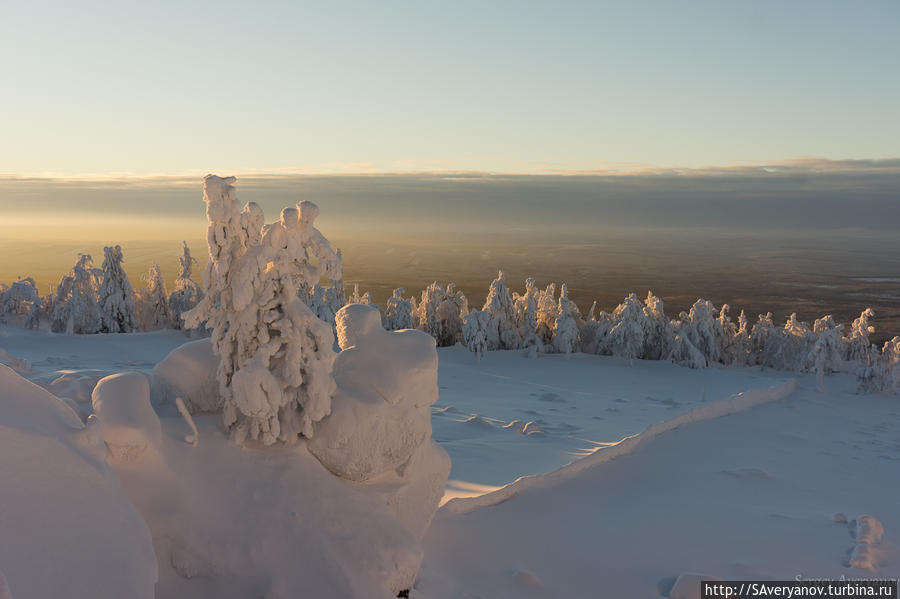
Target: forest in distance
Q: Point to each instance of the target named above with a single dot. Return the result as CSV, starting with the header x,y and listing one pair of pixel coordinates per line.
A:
x,y
810,273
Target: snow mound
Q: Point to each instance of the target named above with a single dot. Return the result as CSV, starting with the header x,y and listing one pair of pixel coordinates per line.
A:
x,y
122,403
387,382
868,531
65,508
189,372
414,491
687,586
77,385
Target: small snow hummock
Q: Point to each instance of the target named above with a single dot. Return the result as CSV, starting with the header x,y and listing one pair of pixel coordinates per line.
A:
x,y
867,530
189,372
129,424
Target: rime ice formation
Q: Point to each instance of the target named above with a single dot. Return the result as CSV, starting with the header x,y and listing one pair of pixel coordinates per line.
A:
x,y
387,382
275,355
129,424
379,430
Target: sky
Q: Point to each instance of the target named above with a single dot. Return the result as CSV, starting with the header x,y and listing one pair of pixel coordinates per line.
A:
x,y
147,88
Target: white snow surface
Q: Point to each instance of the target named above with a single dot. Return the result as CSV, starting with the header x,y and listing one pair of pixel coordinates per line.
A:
x,y
386,383
189,372
67,528
692,500
129,423
748,494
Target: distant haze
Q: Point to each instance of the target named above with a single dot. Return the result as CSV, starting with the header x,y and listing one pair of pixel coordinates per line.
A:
x,y
813,236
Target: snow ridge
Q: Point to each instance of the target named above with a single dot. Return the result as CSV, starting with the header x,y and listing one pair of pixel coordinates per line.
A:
x,y
736,403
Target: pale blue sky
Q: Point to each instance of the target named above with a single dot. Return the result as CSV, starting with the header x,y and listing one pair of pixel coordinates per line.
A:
x,y
175,87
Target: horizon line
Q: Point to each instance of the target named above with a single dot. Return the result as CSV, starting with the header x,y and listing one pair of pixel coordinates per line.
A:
x,y
803,164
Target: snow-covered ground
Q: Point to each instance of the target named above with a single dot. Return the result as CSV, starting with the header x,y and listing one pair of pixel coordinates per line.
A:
x,y
748,496
512,416
751,494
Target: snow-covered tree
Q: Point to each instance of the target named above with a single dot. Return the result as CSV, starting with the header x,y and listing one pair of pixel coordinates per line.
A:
x,y
186,293
75,308
153,302
398,314
826,354
475,332
740,343
759,337
526,310
565,334
725,332
857,339
18,301
452,310
230,232
787,348
428,319
276,356
657,329
702,329
364,299
626,338
594,331
685,353
502,330
116,297
547,311
890,360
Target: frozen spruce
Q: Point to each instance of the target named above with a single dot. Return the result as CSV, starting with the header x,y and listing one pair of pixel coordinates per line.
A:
x,y
857,339
526,309
657,329
398,314
275,355
75,307
186,293
153,302
19,301
565,334
626,338
475,332
502,330
116,295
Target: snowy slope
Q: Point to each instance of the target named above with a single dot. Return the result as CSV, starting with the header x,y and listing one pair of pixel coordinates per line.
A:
x,y
749,495
67,528
575,404
746,495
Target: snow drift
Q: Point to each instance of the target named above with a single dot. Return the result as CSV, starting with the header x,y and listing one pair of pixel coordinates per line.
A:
x,y
735,403
62,509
